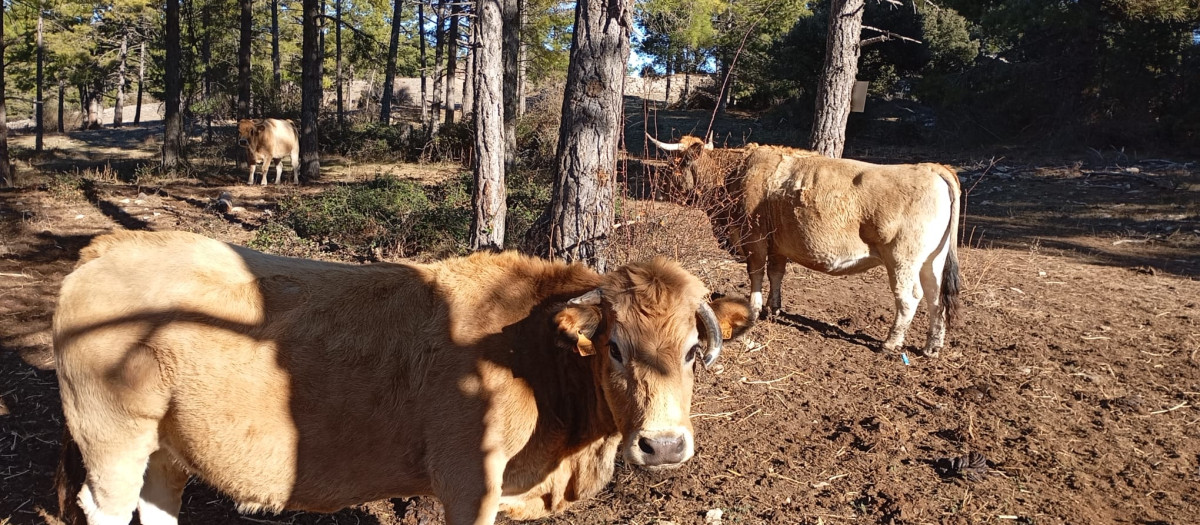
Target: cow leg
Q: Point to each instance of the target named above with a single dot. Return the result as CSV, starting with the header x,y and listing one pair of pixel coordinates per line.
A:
x,y
756,266
296,168
162,490
278,171
253,166
904,280
776,268
266,170
931,282
116,457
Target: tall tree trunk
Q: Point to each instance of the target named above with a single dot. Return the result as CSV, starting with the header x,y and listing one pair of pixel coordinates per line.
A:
x,y
6,174
247,21
62,101
452,58
119,106
439,45
94,103
580,214
522,62
836,86
670,74
468,84
206,59
488,201
337,43
40,106
173,134
137,111
424,63
84,107
276,75
512,57
389,75
310,97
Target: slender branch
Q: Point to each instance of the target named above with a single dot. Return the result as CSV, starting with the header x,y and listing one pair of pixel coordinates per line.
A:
x,y
884,37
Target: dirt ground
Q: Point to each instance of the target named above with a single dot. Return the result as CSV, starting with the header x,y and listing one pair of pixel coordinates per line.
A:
x,y
1075,372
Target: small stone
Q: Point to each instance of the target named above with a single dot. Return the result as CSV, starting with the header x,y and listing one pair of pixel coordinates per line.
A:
x,y
713,517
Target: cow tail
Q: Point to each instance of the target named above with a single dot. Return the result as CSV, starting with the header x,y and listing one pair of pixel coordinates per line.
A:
x,y
951,281
69,481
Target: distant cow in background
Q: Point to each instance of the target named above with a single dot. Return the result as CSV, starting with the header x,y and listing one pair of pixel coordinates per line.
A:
x,y
269,139
836,216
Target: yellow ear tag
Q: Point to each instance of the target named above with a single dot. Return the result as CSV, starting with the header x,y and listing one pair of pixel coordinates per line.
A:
x,y
584,345
726,330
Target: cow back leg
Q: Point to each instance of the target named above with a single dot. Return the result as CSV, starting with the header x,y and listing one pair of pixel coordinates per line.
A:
x,y
904,279
278,171
116,456
162,490
776,268
296,167
931,283
756,266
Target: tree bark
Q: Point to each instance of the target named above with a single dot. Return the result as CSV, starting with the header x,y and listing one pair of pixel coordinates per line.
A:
x,y
389,75
119,106
93,103
424,63
40,106
452,59
6,174
247,20
310,97
488,201
173,134
512,52
62,100
137,111
206,59
522,62
836,84
276,75
468,84
439,36
337,43
580,215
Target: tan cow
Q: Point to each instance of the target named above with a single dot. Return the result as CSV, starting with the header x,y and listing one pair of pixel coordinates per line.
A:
x,y
266,140
836,216
495,382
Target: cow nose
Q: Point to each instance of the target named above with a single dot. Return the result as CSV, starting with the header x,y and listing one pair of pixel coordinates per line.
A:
x,y
242,142
663,450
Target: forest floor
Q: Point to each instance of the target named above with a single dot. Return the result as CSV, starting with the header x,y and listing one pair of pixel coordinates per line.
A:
x,y
1075,370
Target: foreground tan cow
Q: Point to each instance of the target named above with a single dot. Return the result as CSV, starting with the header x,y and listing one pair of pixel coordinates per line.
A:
x,y
266,140
836,216
495,382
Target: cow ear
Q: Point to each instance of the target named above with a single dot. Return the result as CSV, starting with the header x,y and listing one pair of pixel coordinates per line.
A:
x,y
577,326
733,315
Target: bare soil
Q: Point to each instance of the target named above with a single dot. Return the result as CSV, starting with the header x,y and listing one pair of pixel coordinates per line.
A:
x,y
1075,371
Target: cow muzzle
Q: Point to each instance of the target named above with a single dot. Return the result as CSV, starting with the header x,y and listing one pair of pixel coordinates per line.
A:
x,y
243,142
660,449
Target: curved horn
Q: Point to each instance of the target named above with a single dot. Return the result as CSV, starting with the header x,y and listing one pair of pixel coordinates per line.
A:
x,y
591,298
708,144
713,328
664,146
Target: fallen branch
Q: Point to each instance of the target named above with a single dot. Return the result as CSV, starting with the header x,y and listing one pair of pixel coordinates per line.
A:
x,y
1176,407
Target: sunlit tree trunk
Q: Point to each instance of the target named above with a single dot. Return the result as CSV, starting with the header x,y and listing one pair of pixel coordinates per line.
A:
x,y
439,45
389,72
119,106
512,66
310,97
137,110
424,64
836,85
580,215
173,135
40,106
337,43
244,43
6,175
522,61
468,85
487,225
62,101
452,59
276,75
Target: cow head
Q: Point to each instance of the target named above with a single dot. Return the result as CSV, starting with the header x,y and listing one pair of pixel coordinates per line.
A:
x,y
646,326
246,130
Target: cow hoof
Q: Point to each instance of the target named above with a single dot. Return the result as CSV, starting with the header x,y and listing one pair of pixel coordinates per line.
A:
x,y
930,352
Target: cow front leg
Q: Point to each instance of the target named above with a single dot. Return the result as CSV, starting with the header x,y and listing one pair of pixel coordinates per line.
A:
x,y
471,494
756,266
905,288
266,170
253,166
776,268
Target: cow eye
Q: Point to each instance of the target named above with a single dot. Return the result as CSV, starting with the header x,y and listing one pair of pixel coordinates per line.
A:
x,y
691,355
614,351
